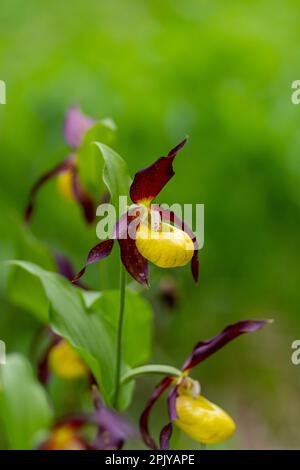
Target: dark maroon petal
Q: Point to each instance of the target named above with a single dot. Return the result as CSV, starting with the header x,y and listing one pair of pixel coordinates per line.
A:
x,y
66,269
43,371
165,436
147,183
171,217
173,152
83,198
135,264
76,125
64,266
66,165
98,252
172,404
166,432
205,349
195,266
144,426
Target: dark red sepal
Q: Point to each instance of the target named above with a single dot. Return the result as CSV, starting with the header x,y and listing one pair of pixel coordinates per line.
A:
x,y
205,349
98,252
83,198
148,182
144,426
136,265
125,231
43,371
166,432
66,269
66,165
165,436
195,266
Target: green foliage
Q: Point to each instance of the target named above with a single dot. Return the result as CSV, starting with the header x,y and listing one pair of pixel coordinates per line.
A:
x,y
90,165
115,173
24,407
137,333
90,324
219,71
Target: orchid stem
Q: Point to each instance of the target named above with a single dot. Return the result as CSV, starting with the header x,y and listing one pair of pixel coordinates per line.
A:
x,y
119,335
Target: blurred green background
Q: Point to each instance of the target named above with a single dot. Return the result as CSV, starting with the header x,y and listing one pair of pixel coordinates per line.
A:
x,y
221,72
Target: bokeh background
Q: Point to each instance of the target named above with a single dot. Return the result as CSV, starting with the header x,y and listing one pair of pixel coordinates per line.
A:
x,y
220,72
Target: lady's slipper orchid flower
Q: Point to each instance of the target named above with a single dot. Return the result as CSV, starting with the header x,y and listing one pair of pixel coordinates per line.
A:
x,y
61,360
112,430
64,361
76,125
200,419
168,242
65,436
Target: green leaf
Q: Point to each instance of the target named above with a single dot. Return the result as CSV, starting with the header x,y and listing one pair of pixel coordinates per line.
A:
x,y
22,289
88,320
115,173
90,166
90,334
24,407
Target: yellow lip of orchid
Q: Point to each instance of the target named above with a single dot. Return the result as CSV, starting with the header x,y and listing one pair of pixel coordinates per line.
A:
x,y
202,420
66,363
65,185
167,247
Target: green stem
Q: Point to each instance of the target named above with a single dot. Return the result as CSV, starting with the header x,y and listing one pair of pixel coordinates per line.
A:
x,y
119,335
151,369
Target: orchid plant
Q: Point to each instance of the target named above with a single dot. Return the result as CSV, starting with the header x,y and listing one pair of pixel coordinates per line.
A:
x,y
103,337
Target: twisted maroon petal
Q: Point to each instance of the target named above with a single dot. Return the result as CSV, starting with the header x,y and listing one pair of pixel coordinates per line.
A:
x,y
171,217
98,252
205,349
66,165
148,182
195,266
64,266
167,430
144,426
66,269
125,231
136,265
165,436
76,125
43,371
